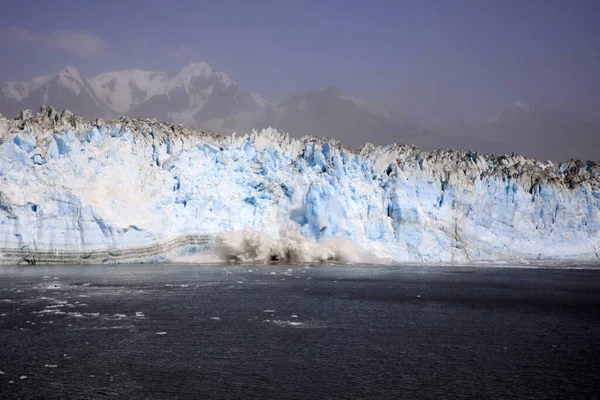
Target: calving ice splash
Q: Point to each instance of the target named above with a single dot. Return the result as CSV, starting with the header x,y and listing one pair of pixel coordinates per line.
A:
x,y
138,190
292,246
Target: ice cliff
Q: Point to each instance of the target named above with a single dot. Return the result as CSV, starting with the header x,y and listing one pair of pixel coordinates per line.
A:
x,y
137,190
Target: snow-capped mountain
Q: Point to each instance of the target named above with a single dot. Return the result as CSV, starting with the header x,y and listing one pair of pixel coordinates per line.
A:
x,y
542,133
64,89
190,96
514,114
201,97
196,96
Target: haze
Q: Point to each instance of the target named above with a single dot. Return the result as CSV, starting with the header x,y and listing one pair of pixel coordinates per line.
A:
x,y
449,72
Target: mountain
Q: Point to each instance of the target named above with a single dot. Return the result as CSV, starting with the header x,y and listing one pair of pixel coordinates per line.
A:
x,y
65,89
330,113
196,96
202,98
193,95
541,133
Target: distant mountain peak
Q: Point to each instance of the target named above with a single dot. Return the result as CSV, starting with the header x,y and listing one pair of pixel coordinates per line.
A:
x,y
333,91
197,66
197,69
69,70
198,95
513,114
521,107
63,89
70,78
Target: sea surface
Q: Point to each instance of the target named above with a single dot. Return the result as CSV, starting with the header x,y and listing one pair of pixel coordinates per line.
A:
x,y
257,331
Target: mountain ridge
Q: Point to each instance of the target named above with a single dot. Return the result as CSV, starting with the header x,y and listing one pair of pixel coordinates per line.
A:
x,y
201,97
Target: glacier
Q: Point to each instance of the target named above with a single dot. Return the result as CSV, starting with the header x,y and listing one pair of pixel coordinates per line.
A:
x,y
141,190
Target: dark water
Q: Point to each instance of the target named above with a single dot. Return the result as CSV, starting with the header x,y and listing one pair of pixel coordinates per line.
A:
x,y
322,332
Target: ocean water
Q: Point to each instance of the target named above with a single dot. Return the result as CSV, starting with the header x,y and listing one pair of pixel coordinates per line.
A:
x,y
298,331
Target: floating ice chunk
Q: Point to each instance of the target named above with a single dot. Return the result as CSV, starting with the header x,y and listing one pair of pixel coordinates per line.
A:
x,y
52,311
55,306
282,323
52,286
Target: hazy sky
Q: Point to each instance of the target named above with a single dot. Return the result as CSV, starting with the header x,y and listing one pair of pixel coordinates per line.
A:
x,y
451,59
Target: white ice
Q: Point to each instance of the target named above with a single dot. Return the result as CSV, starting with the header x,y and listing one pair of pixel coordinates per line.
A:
x,y
265,196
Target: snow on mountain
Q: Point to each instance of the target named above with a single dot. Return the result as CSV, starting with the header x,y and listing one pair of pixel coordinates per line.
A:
x,y
76,191
65,89
192,95
16,91
200,97
124,90
513,114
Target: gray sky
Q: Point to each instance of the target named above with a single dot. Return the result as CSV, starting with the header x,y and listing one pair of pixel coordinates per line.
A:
x,y
461,60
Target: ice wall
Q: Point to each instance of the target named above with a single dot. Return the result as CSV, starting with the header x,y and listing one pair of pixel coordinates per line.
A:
x,y
70,186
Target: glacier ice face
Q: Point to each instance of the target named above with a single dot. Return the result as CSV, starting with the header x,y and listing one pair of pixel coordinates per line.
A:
x,y
70,186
